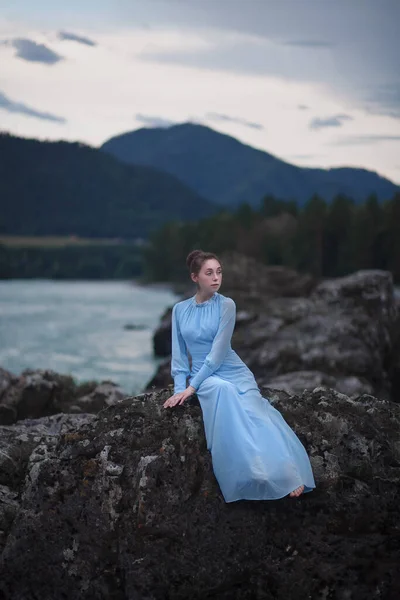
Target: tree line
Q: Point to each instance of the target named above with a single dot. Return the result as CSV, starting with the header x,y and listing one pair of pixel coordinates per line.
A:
x,y
327,239
122,261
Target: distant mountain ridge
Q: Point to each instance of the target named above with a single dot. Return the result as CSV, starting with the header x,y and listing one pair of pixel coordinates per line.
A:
x,y
63,188
228,172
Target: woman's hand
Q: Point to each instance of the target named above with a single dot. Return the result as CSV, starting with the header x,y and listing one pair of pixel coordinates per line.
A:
x,y
180,397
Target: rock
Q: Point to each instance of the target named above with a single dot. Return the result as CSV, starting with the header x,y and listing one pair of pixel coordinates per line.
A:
x,y
162,377
245,277
6,380
38,393
162,336
127,506
296,382
133,327
394,359
342,330
105,394
23,445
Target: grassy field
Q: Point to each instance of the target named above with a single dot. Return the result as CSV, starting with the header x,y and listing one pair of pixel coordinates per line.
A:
x,y
53,241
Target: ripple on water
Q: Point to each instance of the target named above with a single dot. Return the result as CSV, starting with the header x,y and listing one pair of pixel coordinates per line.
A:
x,y
78,328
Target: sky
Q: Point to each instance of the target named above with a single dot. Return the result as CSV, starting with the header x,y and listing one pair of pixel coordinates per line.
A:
x,y
314,82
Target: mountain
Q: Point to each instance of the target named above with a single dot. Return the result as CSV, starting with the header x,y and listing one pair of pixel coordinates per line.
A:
x,y
225,171
64,188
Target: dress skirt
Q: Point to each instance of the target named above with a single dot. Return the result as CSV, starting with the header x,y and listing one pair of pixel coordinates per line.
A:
x,y
255,453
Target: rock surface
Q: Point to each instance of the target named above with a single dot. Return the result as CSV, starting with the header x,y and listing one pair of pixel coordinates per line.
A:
x,y
345,334
162,336
124,505
250,282
39,393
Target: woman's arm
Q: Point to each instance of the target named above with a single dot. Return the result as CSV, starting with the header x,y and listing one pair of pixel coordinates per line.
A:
x,y
179,361
221,343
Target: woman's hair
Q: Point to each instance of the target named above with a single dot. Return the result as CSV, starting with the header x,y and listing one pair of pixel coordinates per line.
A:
x,y
196,258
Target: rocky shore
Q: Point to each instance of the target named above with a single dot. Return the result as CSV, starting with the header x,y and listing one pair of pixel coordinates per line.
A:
x,y
124,505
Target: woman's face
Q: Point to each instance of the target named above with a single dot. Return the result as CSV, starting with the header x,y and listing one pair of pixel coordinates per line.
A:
x,y
210,276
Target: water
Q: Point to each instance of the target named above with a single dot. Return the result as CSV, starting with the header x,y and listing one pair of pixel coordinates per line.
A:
x,y
77,328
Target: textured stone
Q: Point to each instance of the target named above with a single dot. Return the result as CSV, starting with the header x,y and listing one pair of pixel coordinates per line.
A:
x,y
43,392
124,505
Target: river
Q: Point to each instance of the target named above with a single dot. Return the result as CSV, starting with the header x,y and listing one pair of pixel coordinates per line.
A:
x,y
78,328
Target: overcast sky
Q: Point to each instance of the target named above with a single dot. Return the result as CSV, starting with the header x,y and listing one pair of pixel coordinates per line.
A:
x,y
314,82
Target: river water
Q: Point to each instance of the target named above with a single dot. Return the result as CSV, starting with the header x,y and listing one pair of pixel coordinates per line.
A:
x,y
77,328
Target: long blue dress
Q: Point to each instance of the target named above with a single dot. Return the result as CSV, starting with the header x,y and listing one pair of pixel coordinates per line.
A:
x,y
255,454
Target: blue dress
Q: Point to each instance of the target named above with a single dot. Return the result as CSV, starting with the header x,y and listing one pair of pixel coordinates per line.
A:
x,y
255,454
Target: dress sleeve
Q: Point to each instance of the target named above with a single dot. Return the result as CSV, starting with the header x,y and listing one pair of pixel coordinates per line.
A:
x,y
179,360
220,345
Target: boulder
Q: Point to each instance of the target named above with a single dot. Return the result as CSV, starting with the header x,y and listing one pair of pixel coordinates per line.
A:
x,y
246,278
296,382
43,392
124,504
344,330
104,394
162,345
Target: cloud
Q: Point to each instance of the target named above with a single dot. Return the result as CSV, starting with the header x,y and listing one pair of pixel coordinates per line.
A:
x,y
18,107
384,99
364,45
212,116
33,52
305,156
65,35
153,121
309,44
355,140
303,107
335,121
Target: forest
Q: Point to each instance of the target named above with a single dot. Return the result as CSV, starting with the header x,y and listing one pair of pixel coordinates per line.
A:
x,y
95,261
327,239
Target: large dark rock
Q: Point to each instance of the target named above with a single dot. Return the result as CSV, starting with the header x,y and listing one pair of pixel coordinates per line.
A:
x,y
125,505
345,334
162,345
394,359
250,282
162,377
22,448
296,382
344,329
43,392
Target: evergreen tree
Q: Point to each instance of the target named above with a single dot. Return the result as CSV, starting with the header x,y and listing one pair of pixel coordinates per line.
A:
x,y
339,243
310,238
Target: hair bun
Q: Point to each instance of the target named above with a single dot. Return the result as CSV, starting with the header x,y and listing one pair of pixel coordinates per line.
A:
x,y
196,258
191,256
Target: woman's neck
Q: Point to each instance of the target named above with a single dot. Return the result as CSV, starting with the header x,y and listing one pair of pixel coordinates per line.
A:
x,y
201,297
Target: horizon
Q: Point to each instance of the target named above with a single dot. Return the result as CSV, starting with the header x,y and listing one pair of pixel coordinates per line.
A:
x,y
316,86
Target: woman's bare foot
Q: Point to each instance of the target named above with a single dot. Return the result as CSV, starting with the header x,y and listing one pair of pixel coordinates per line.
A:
x,y
297,491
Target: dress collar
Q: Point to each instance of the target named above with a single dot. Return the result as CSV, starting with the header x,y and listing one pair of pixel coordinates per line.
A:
x,y
198,304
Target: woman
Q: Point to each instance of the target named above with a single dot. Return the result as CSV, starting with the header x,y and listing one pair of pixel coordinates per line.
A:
x,y
255,454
